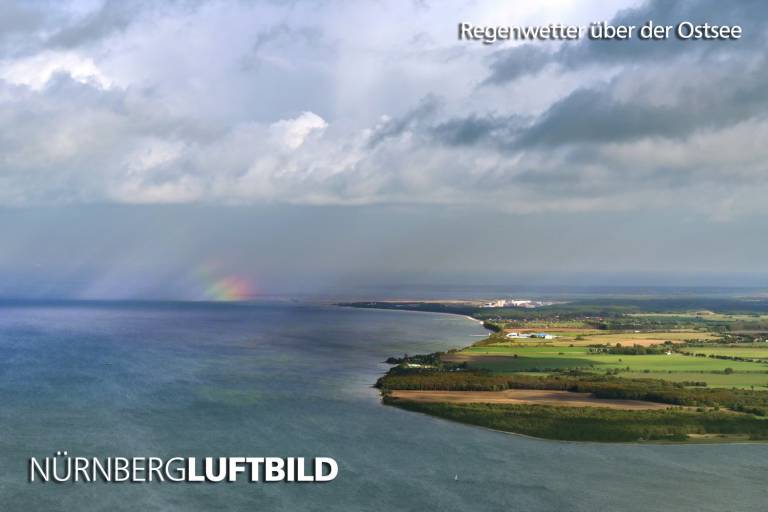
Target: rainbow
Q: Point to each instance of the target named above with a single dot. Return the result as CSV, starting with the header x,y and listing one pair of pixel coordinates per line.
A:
x,y
224,288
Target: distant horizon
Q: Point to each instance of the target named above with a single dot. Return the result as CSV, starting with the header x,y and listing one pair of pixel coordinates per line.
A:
x,y
446,291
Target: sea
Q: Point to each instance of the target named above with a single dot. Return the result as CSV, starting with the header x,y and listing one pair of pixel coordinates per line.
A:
x,y
291,379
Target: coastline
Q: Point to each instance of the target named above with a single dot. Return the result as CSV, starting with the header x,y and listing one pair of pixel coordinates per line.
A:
x,y
452,411
403,310
469,318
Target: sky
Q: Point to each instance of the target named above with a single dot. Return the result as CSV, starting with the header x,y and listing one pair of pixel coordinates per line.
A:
x,y
213,150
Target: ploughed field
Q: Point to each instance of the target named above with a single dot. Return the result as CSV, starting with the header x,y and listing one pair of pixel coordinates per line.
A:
x,y
526,396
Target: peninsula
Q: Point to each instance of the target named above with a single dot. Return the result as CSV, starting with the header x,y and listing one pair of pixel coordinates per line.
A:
x,y
609,370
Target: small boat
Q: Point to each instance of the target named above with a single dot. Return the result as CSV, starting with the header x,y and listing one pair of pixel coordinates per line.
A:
x,y
455,477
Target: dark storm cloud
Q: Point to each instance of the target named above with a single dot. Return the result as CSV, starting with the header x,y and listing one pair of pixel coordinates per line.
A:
x,y
713,84
416,116
513,63
30,27
596,116
475,128
593,116
112,16
646,119
509,65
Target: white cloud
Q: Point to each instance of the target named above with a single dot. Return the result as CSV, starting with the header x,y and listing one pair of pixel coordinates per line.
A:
x,y
291,133
35,71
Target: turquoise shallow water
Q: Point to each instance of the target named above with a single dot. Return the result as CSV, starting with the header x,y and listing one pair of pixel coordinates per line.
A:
x,y
284,380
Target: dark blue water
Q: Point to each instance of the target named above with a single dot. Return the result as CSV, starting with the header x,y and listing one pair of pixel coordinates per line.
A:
x,y
193,380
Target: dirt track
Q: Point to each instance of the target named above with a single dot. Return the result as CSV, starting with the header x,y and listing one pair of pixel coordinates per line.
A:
x,y
526,396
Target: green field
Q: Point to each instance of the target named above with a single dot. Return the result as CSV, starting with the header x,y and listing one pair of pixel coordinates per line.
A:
x,y
702,315
546,357
748,352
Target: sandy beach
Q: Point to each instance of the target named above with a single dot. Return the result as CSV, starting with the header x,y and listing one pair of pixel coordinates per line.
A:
x,y
526,396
